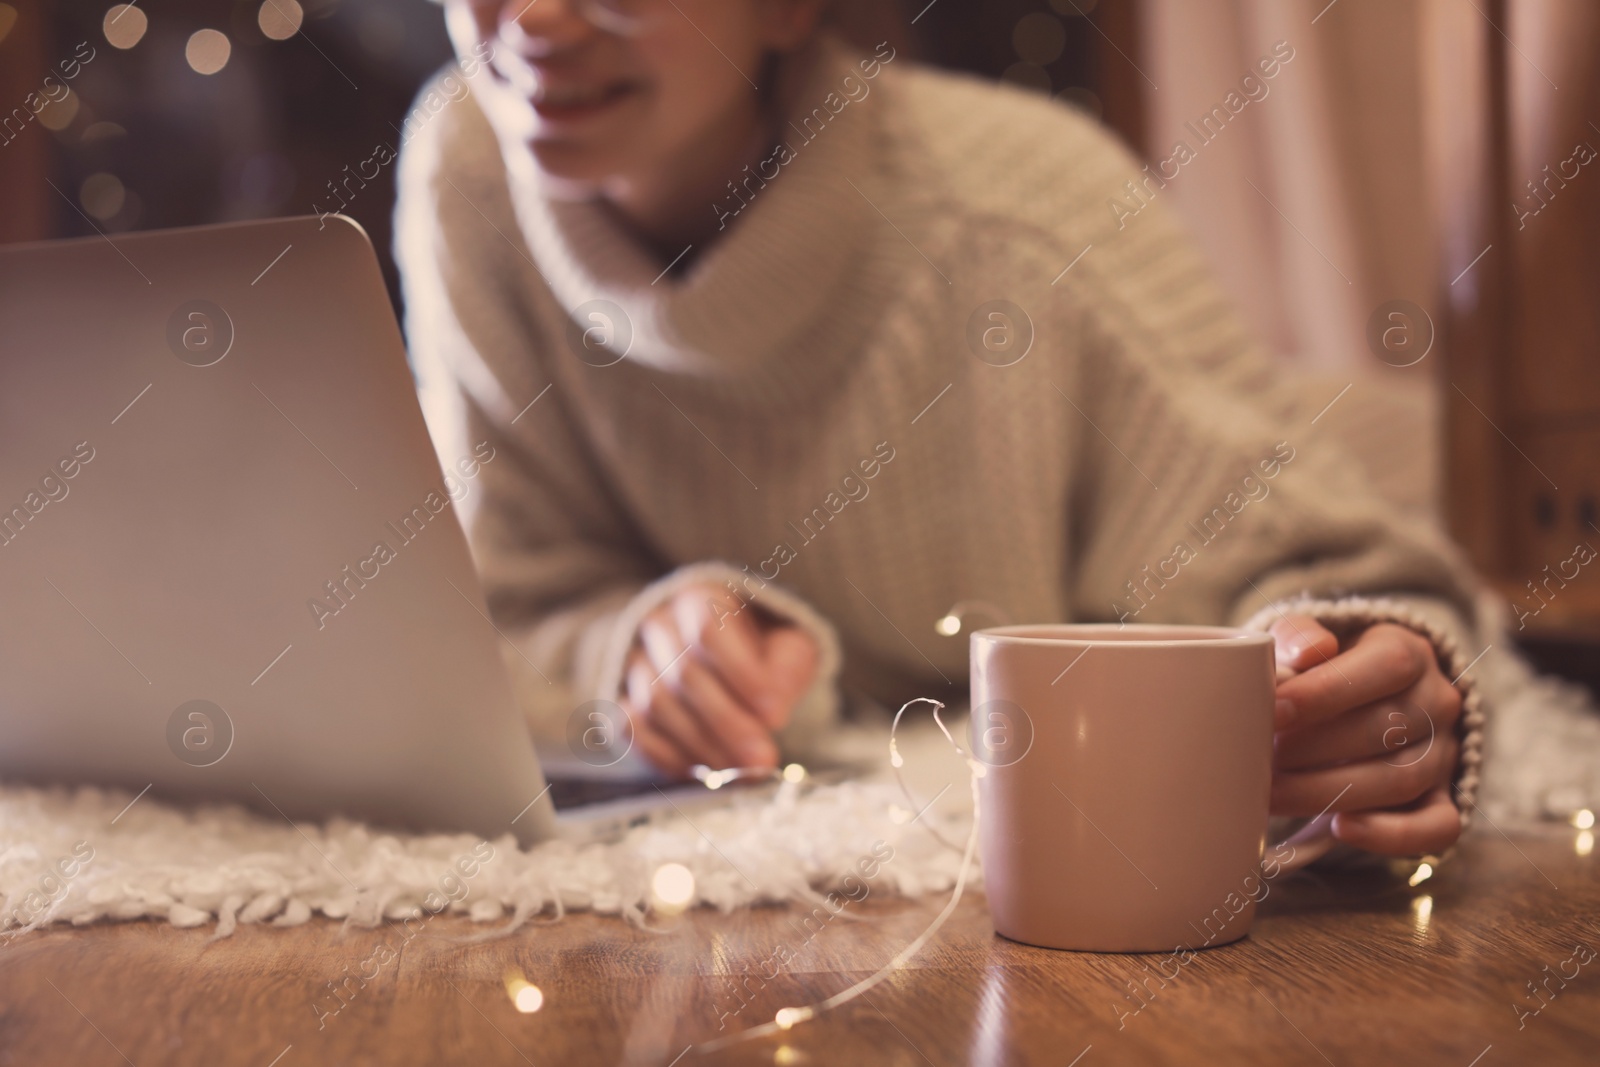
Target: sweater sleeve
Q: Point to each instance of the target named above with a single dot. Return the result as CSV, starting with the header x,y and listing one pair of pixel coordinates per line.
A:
x,y
566,573
1204,494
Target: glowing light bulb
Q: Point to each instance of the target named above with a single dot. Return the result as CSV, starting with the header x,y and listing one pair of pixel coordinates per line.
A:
x,y
672,887
794,773
948,626
526,997
1423,873
787,1017
1583,819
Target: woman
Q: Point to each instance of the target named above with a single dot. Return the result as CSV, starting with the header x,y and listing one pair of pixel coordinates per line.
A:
x,y
789,349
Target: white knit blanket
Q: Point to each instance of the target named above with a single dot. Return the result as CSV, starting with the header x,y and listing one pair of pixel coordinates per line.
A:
x,y
76,856
83,855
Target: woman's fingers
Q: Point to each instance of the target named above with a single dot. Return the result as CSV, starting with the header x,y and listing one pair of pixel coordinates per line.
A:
x,y
660,709
711,682
663,644
765,667
721,715
730,641
659,750
1301,642
1371,783
1386,659
1427,828
1397,729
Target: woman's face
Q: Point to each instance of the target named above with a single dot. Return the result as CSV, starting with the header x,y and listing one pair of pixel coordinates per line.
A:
x,y
606,90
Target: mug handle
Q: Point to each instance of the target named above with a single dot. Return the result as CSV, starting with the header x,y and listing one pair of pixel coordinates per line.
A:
x,y
1311,842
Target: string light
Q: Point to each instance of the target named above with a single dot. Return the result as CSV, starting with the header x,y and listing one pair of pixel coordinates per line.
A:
x,y
953,620
1423,873
788,1018
672,887
526,997
717,779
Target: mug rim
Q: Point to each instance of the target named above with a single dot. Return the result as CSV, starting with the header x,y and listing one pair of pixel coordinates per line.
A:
x,y
1105,634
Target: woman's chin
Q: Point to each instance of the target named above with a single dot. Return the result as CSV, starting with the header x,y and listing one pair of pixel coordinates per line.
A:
x,y
570,169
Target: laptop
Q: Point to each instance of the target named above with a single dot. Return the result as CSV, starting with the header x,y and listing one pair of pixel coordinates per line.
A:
x,y
229,564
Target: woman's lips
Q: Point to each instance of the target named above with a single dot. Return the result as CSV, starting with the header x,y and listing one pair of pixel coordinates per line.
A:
x,y
567,104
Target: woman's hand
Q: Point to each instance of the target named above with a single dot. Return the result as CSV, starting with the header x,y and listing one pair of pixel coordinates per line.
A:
x,y
1368,731
711,678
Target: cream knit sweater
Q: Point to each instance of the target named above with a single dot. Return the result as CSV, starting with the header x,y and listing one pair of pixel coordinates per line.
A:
x,y
830,409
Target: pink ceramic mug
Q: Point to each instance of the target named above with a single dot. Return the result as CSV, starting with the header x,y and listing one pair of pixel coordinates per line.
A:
x,y
1127,778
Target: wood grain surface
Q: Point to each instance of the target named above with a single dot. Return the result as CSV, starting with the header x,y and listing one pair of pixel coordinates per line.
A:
x,y
1342,968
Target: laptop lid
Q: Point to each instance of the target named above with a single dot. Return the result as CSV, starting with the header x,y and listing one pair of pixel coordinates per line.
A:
x,y
229,562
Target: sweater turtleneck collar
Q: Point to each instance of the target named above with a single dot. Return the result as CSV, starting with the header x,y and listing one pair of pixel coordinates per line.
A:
x,y
770,275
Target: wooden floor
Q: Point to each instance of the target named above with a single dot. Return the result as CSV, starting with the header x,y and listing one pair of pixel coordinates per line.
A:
x,y
1341,970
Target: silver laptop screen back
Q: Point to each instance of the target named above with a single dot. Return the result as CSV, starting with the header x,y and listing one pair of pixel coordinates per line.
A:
x,y
229,561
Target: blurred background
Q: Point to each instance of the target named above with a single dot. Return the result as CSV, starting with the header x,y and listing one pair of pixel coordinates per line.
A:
x,y
1405,209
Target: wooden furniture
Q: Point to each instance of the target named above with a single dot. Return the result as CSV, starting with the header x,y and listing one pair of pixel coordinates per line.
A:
x,y
1522,335
25,150
1342,969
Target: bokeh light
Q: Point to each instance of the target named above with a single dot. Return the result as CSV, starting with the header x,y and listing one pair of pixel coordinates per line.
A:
x,y
208,51
1027,76
1421,913
102,195
103,131
381,32
529,999
1039,38
672,887
280,19
525,996
124,26
58,114
1083,99
1583,819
